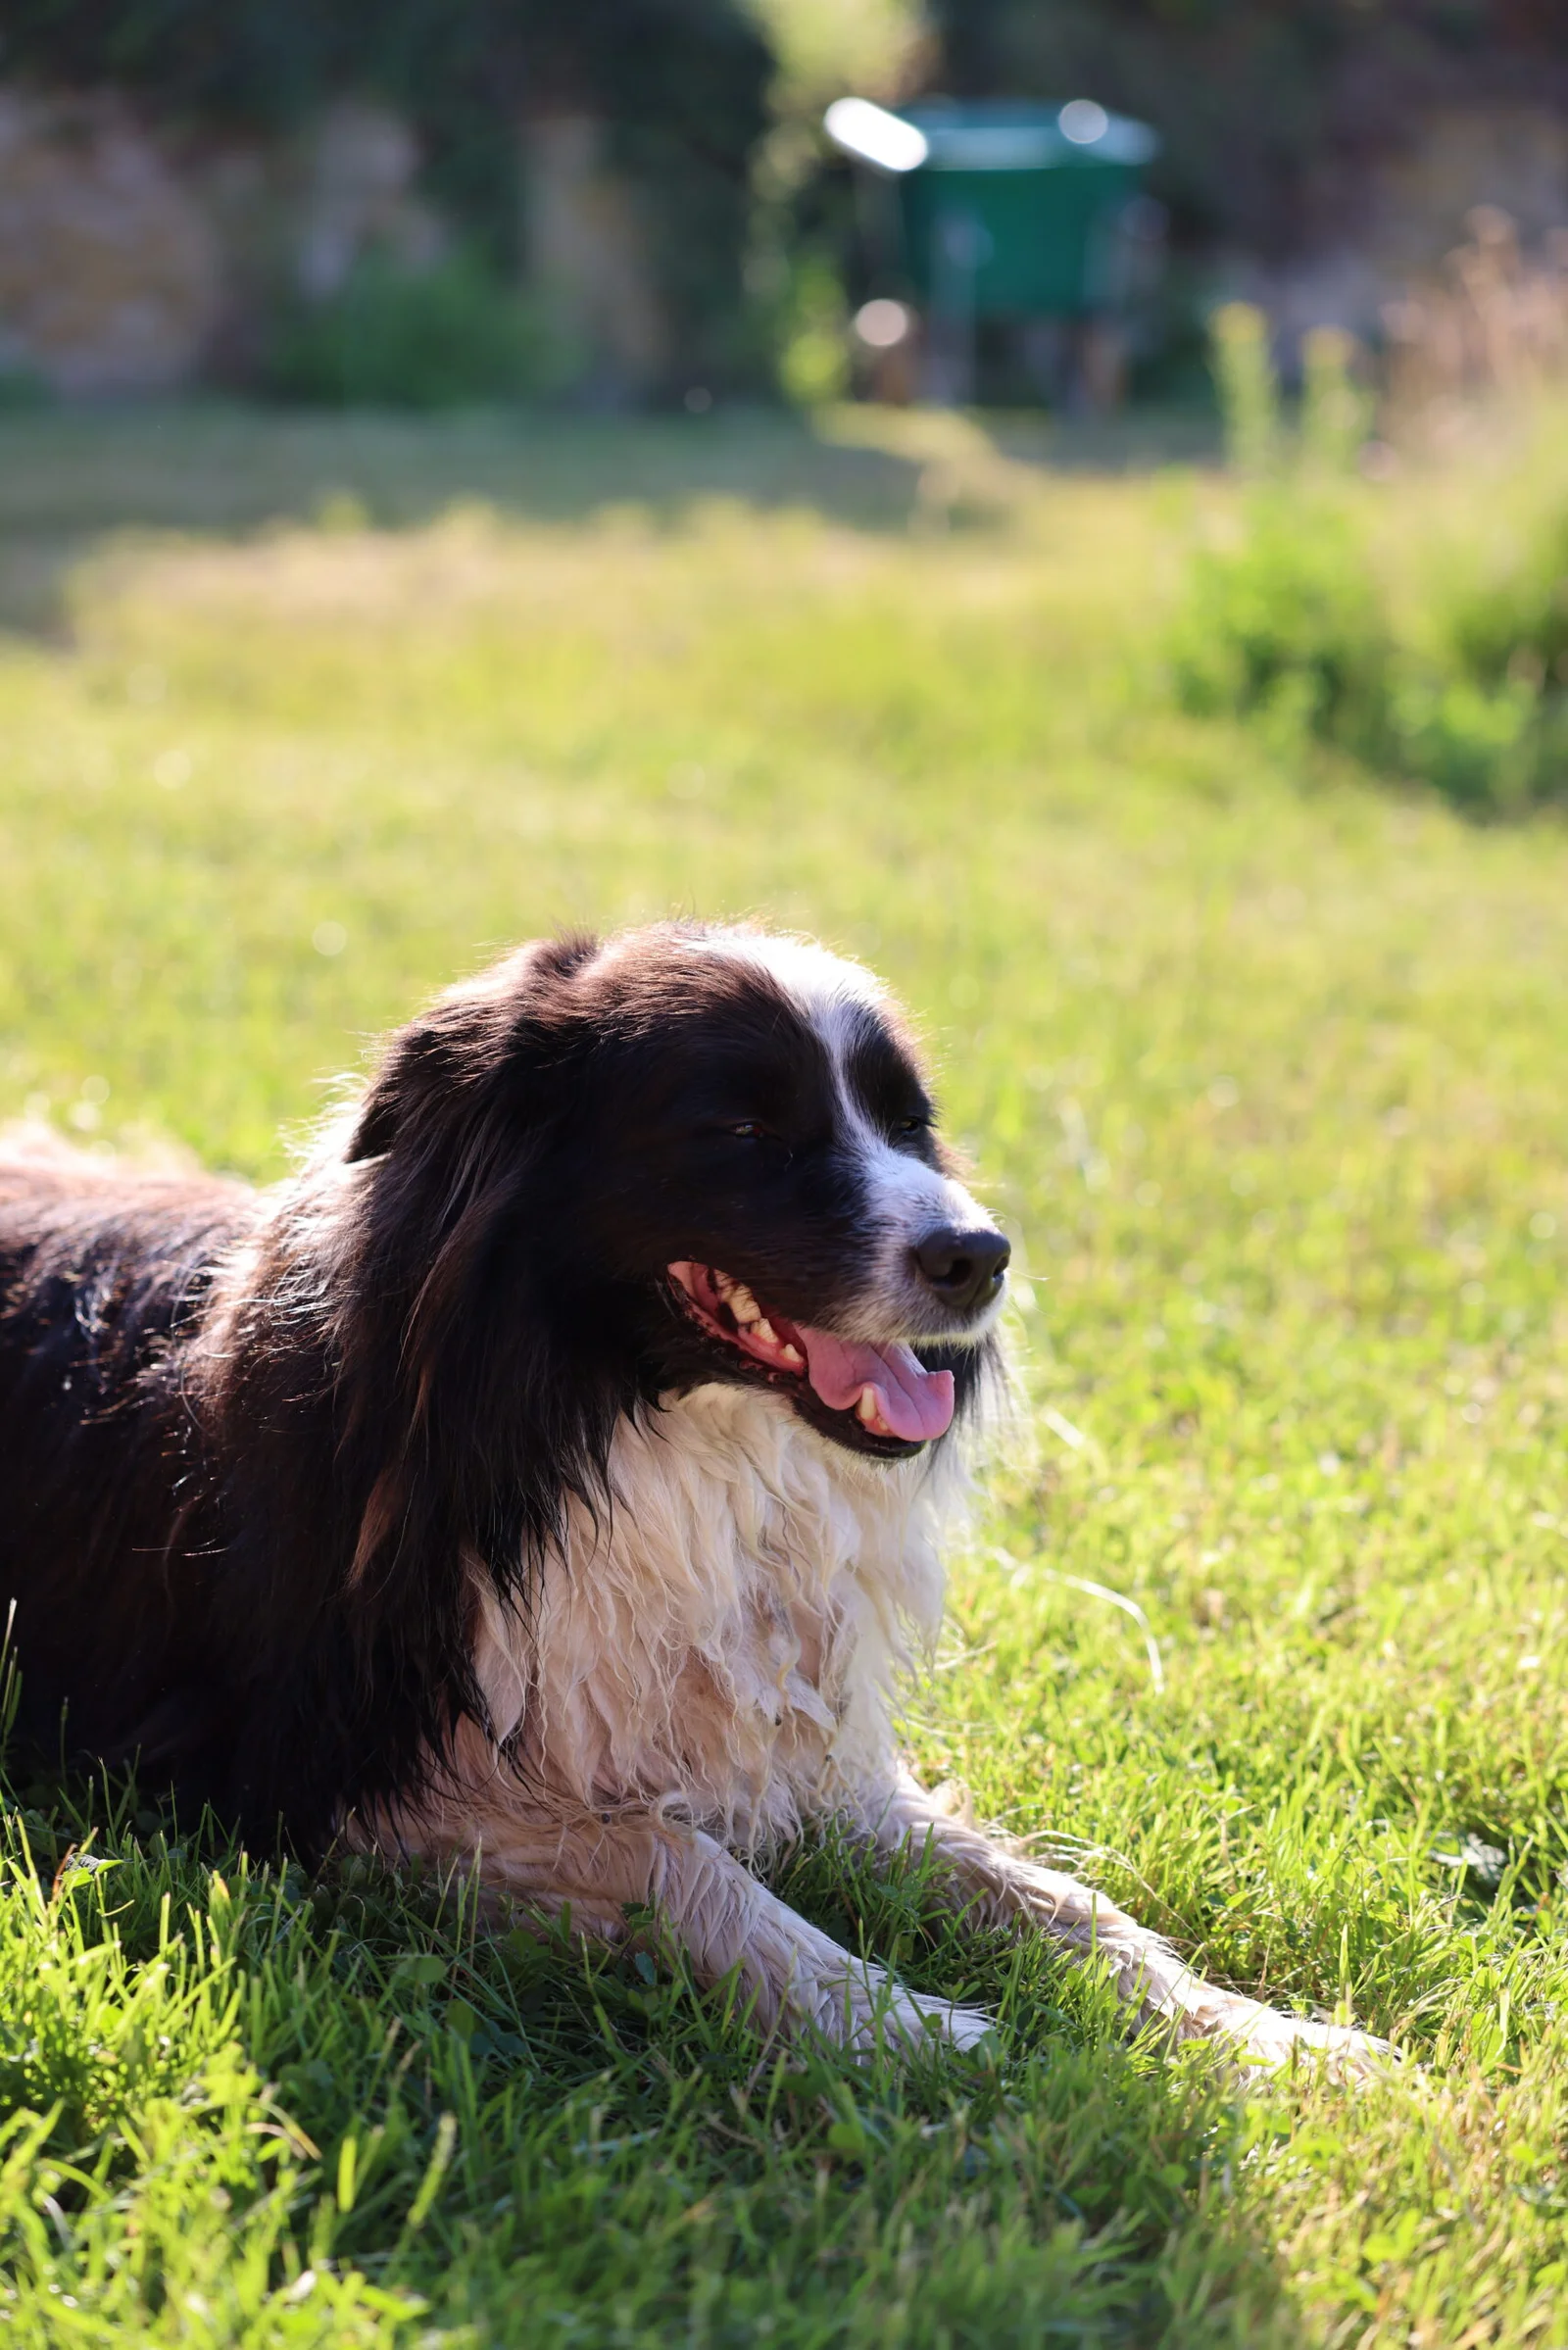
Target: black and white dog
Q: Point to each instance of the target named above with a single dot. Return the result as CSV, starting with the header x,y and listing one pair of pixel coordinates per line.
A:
x,y
548,1480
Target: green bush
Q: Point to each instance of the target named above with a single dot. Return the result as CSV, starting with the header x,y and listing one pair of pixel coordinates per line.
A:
x,y
1295,626
1292,628
1286,622
429,338
1485,716
813,361
1488,749
1514,624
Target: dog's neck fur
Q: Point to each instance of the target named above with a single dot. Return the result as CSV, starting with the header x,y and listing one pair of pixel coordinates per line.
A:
x,y
722,1644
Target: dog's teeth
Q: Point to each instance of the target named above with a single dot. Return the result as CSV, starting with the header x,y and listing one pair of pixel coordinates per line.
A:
x,y
764,1331
867,1408
791,1355
742,1305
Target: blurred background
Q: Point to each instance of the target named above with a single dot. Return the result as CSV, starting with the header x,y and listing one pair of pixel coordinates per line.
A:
x,y
627,203
1066,500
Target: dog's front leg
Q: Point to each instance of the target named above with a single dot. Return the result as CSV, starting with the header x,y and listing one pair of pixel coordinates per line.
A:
x,y
999,1885
792,1977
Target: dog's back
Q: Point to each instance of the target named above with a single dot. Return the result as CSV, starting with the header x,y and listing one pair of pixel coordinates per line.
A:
x,y
100,1271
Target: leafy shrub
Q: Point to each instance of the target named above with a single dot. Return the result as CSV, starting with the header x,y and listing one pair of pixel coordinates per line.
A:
x,y
1287,623
428,338
1243,365
1486,749
813,337
1515,625
1484,714
1294,624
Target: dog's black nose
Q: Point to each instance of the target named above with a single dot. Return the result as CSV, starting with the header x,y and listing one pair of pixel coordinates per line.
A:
x,y
964,1268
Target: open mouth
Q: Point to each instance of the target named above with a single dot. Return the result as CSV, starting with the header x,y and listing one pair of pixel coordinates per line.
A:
x,y
887,1389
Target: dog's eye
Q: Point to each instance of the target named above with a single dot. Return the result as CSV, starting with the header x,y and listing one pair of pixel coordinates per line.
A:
x,y
911,1126
749,1130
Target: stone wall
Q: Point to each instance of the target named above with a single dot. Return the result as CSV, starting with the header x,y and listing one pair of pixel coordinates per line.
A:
x,y
588,258
110,268
132,263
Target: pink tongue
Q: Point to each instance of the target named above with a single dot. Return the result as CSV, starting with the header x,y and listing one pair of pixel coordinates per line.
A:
x,y
915,1403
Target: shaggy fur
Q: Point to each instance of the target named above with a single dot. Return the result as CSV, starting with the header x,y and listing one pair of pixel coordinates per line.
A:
x,y
548,1479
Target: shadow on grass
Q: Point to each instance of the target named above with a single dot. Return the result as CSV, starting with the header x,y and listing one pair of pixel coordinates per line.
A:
x,y
480,2115
70,478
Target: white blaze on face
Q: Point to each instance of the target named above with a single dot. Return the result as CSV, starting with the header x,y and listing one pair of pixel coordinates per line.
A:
x,y
909,1201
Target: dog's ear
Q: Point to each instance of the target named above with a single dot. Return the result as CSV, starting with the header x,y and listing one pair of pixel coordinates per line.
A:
x,y
372,1133
439,1061
447,1377
411,1069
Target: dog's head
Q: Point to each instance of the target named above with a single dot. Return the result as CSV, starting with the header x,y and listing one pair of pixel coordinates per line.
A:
x,y
604,1174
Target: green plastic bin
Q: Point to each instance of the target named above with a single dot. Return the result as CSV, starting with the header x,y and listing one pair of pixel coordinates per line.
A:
x,y
1008,211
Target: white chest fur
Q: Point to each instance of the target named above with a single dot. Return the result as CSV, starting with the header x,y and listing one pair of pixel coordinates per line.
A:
x,y
722,1645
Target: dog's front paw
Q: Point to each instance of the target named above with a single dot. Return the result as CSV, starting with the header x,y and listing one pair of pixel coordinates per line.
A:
x,y
920,2021
1263,2037
866,2010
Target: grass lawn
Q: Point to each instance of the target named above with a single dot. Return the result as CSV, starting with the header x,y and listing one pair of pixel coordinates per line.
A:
x,y
1264,1069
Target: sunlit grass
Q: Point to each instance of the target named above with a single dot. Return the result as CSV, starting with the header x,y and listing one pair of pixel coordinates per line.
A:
x,y
1264,1069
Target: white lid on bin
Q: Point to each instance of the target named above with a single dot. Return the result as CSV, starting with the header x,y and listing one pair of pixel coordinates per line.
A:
x,y
873,135
999,136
